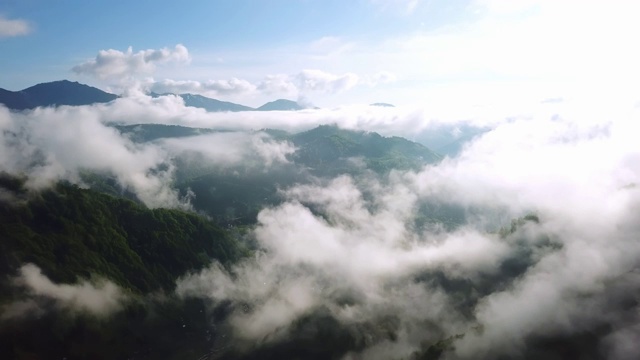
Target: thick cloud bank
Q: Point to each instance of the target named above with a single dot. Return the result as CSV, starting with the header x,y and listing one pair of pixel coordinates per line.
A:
x,y
371,251
354,248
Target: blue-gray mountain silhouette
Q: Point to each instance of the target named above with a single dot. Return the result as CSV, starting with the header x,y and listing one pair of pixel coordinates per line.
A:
x,y
208,104
54,93
280,105
380,104
66,92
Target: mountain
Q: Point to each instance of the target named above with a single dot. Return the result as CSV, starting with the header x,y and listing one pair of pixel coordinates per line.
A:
x,y
55,93
150,132
15,100
71,234
68,231
382,105
211,105
329,148
66,92
280,105
214,105
450,139
235,194
326,146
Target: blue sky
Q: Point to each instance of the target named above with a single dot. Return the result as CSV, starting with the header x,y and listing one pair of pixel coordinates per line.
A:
x,y
326,52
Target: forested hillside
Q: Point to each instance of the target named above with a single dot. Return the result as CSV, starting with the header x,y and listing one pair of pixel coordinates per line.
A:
x,y
234,194
70,232
75,235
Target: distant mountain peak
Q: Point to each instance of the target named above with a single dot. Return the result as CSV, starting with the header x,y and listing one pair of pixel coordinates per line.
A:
x,y
209,104
280,105
60,84
382,104
65,92
55,93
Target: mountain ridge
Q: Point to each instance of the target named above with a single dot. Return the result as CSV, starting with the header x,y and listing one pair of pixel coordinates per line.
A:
x,y
207,103
55,93
73,93
280,105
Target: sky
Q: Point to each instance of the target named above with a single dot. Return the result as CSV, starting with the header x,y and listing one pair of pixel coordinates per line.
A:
x,y
326,53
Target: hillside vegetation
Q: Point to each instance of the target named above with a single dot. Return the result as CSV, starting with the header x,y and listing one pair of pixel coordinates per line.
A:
x,y
70,232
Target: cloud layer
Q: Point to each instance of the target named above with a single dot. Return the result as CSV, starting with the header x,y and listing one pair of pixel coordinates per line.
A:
x,y
368,250
357,239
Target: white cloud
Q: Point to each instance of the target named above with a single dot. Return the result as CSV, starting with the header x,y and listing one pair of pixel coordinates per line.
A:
x,y
309,80
232,148
51,144
354,239
382,77
278,84
348,250
232,86
101,298
117,64
14,27
318,80
306,81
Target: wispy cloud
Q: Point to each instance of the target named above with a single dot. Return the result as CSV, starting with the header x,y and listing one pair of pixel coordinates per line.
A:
x,y
300,84
52,144
14,27
101,298
317,80
232,86
278,84
330,46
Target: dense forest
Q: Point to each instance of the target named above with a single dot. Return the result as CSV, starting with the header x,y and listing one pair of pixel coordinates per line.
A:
x,y
71,232
75,234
